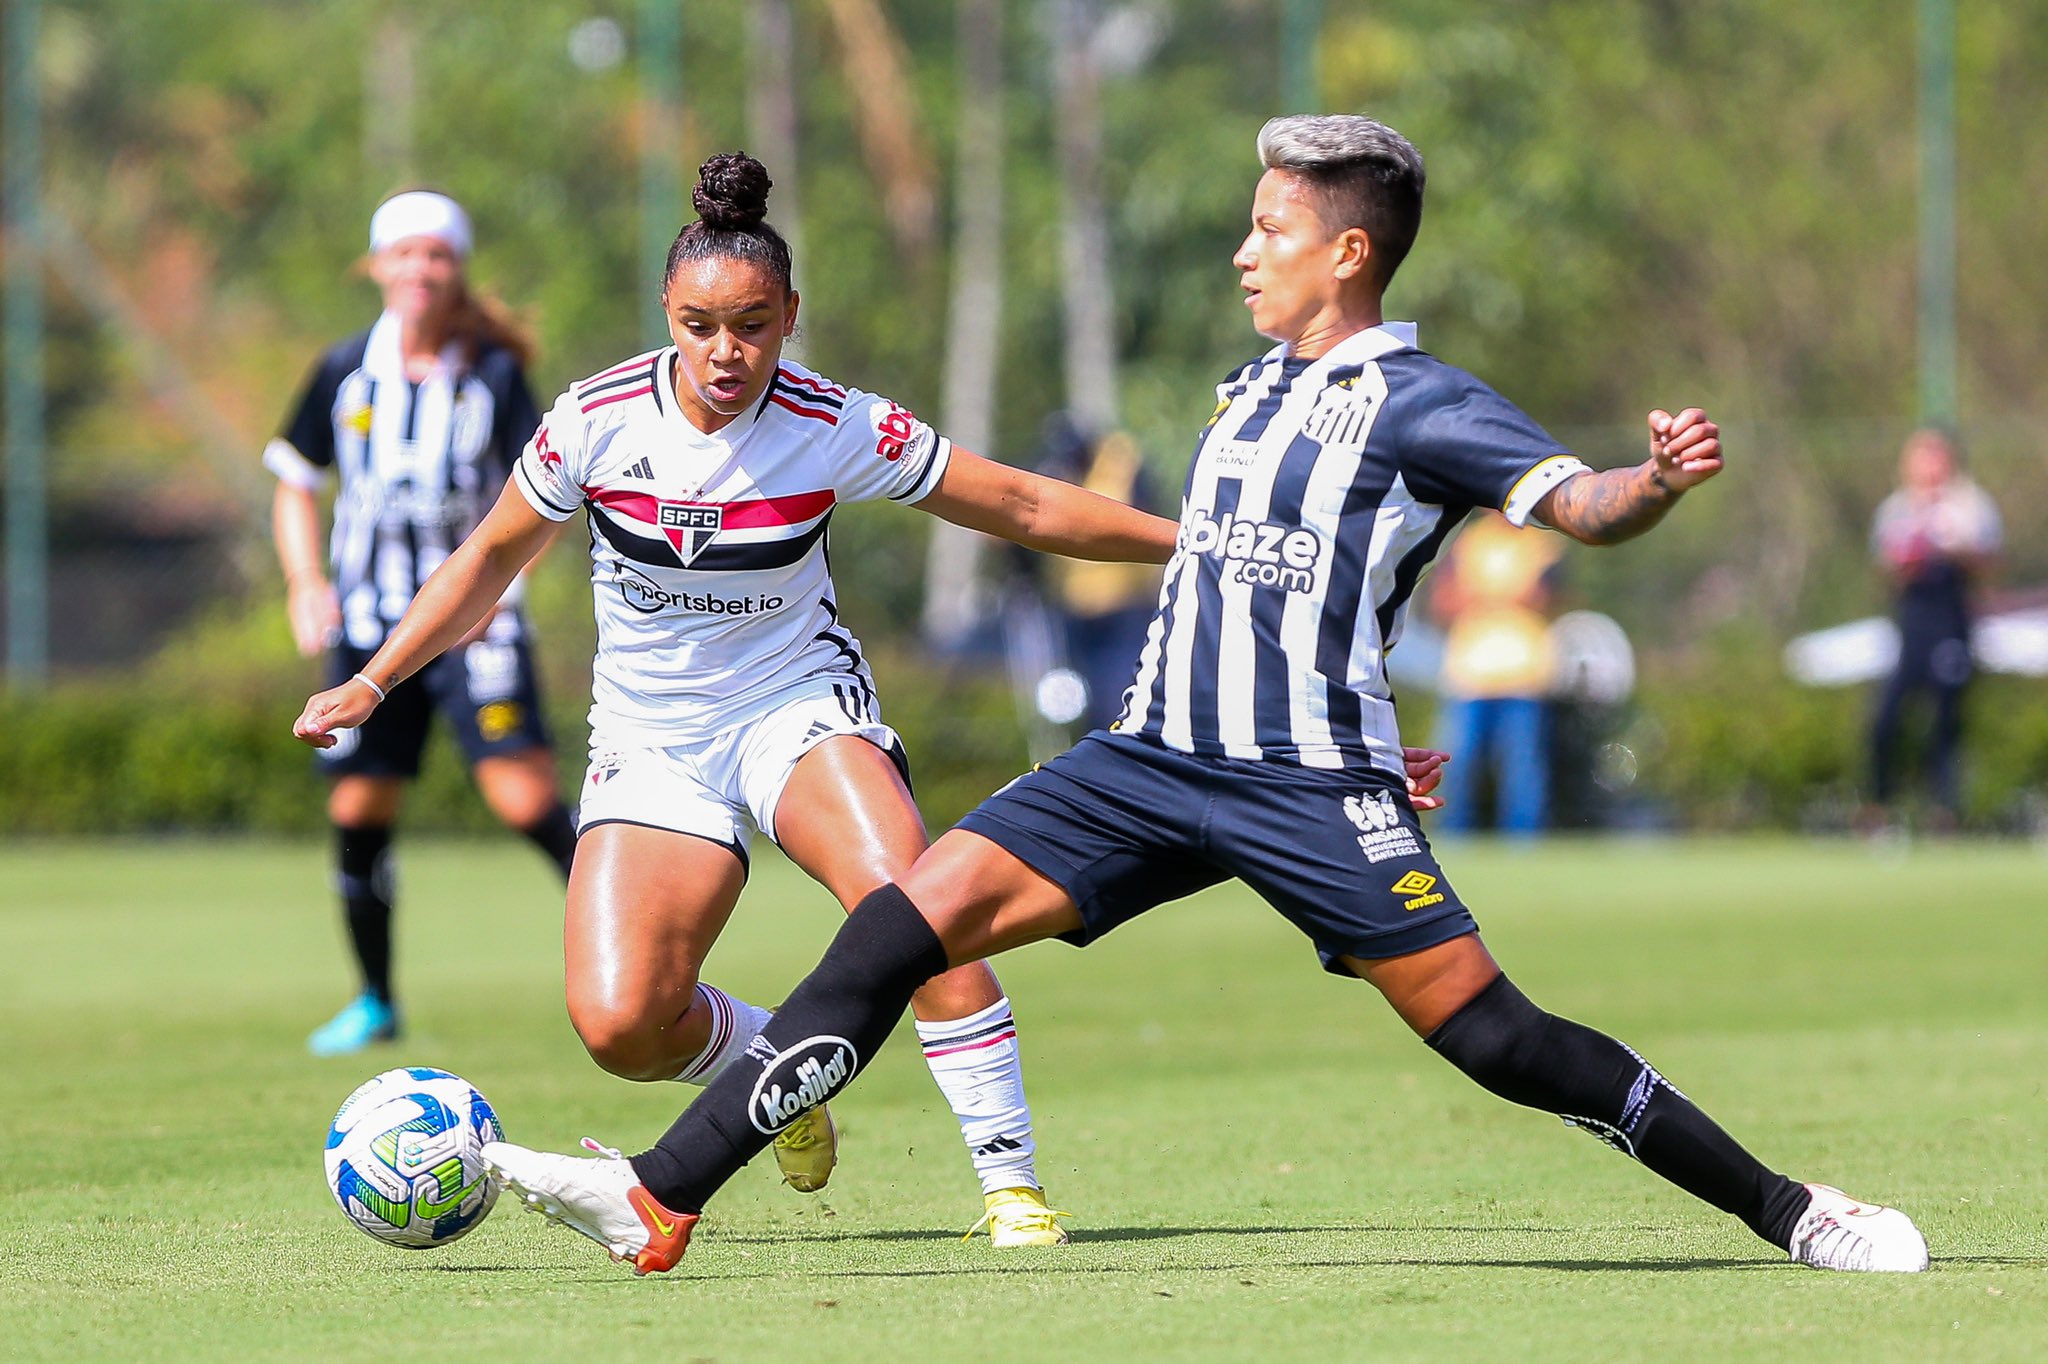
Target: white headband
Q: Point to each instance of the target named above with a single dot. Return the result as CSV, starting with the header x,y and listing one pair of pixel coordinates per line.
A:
x,y
420,213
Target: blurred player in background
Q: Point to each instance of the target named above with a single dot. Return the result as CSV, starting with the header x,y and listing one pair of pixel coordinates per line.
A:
x,y
1260,743
728,695
1935,537
1493,595
421,417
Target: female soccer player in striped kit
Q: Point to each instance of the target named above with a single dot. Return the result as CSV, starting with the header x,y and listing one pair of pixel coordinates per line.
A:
x,y
422,417
1259,742
726,689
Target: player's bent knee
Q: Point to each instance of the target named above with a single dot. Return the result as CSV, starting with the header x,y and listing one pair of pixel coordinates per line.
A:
x,y
633,1043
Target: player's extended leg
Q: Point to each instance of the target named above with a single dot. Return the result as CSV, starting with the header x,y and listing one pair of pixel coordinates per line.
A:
x,y
847,817
362,809
523,791
645,906
1456,998
973,900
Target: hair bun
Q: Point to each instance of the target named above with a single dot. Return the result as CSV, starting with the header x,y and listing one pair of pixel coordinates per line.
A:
x,y
732,192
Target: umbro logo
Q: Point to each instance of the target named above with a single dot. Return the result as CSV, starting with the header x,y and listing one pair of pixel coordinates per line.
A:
x,y
641,468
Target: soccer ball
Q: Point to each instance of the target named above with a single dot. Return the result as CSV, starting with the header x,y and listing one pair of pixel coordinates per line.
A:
x,y
405,1157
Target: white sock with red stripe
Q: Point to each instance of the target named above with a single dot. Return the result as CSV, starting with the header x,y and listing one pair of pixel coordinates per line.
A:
x,y
975,1061
734,1023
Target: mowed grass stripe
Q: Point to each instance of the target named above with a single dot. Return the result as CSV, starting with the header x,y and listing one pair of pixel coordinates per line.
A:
x,y
1263,1161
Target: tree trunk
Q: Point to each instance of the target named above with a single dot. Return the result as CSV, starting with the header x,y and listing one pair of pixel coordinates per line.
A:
x,y
771,112
1084,219
954,595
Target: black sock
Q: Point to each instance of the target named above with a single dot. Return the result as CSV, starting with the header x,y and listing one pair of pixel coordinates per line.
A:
x,y
829,1028
1534,1058
364,859
555,835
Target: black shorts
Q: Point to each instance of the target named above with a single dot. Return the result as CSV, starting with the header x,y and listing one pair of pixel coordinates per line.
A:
x,y
486,692
1122,825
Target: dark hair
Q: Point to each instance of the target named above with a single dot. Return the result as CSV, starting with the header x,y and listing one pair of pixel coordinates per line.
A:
x,y
731,199
1366,175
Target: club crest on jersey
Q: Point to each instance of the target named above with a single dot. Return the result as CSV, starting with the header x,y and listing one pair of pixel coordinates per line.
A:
x,y
1257,553
1340,419
691,528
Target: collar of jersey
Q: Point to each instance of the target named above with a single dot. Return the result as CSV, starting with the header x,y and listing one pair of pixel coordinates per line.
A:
x,y
728,434
1360,346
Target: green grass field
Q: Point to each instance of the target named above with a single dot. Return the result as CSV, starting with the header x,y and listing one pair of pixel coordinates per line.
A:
x,y
1261,1161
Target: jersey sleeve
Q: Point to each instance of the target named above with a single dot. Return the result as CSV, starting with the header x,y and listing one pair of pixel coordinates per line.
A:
x,y
1463,444
302,454
551,469
880,450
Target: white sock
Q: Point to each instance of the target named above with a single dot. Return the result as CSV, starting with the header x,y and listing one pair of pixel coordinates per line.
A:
x,y
734,1023
974,1059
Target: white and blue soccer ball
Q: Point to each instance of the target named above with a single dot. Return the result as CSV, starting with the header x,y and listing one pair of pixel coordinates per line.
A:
x,y
405,1157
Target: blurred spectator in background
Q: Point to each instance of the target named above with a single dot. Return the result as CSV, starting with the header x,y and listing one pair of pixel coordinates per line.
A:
x,y
1493,596
1103,607
422,416
1935,538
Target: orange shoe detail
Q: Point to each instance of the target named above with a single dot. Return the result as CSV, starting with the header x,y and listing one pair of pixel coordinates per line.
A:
x,y
668,1233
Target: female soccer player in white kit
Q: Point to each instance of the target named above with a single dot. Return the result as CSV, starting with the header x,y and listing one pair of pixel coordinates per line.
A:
x,y
725,688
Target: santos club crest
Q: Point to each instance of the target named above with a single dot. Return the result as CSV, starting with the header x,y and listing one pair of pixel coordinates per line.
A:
x,y
691,528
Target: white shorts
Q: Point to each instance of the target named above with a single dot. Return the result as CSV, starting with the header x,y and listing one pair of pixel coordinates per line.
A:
x,y
724,787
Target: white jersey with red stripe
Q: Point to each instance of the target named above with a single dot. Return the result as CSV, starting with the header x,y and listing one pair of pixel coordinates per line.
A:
x,y
708,550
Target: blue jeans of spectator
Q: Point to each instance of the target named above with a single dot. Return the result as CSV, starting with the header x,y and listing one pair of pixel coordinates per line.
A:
x,y
1509,737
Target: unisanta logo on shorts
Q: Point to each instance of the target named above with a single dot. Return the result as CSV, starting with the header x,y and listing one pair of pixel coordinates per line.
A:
x,y
646,596
799,1078
1259,553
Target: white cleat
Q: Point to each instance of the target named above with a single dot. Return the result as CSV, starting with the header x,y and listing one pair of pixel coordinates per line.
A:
x,y
602,1199
1837,1232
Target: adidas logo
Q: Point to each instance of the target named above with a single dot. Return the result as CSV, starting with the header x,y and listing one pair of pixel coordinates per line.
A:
x,y
999,1145
818,727
641,468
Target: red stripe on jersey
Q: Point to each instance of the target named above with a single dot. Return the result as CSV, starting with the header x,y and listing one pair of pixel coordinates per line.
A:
x,y
814,385
643,506
610,398
777,511
753,514
612,373
815,413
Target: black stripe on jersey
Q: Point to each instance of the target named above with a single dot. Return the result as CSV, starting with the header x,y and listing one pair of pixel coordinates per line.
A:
x,y
627,380
917,480
831,609
815,399
1410,568
526,482
1262,413
1205,723
1338,628
840,690
1272,712
717,559
844,643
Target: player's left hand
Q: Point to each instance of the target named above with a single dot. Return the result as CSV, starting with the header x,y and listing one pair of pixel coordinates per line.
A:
x,y
1425,771
342,707
1686,448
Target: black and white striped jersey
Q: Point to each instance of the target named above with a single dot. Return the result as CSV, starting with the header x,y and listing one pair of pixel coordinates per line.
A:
x,y
1320,491
419,463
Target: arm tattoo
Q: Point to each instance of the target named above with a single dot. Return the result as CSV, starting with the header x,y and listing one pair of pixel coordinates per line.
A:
x,y
1608,507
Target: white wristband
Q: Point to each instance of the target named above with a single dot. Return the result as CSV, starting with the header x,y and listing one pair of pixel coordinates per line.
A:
x,y
359,677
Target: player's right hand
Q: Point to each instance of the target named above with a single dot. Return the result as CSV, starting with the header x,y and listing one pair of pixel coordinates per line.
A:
x,y
342,707
315,614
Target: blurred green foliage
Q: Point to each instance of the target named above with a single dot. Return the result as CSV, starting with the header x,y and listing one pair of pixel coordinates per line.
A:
x,y
1633,203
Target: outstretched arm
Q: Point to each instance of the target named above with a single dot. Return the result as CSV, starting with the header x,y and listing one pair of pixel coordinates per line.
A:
x,y
1046,514
1620,504
460,593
